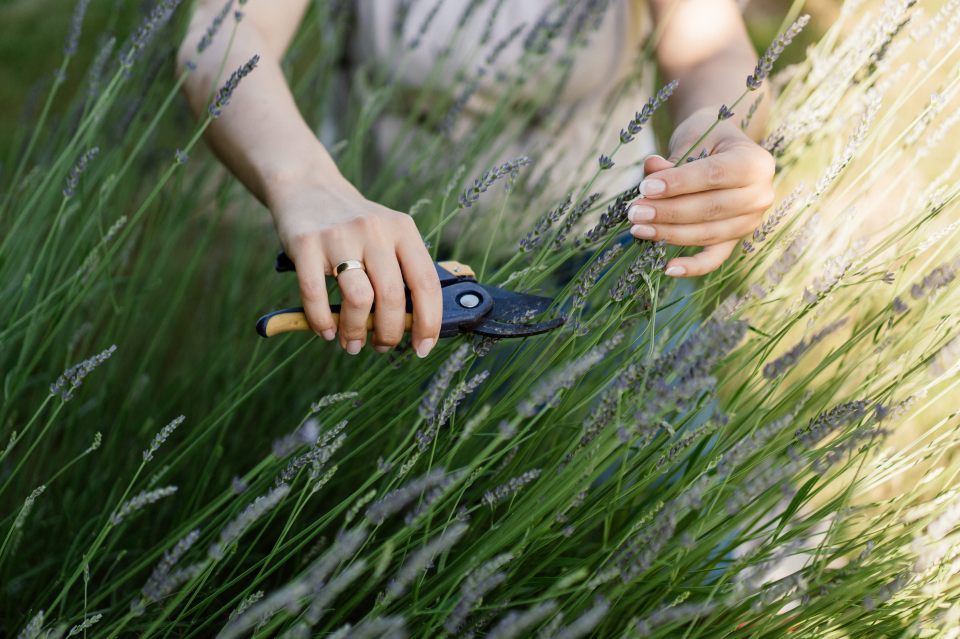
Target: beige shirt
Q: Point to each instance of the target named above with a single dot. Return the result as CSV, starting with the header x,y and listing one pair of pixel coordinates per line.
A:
x,y
591,121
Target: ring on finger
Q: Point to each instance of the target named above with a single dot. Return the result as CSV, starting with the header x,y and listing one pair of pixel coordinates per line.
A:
x,y
347,265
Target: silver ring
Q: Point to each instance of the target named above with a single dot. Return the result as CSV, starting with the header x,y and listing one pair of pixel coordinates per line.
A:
x,y
347,265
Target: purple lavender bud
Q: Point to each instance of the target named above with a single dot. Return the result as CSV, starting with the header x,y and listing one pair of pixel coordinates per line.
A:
x,y
226,91
73,178
430,404
139,501
568,223
423,557
161,437
725,113
76,26
160,584
508,490
515,624
509,169
586,622
765,63
534,237
180,157
477,584
425,25
156,20
73,377
245,520
605,162
785,362
397,499
214,27
95,75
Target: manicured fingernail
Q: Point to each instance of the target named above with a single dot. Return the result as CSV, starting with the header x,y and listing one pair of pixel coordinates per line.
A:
x,y
652,186
675,271
656,155
382,348
328,334
640,213
353,346
644,231
424,347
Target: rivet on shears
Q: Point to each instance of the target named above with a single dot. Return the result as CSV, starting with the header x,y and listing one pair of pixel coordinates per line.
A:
x,y
469,300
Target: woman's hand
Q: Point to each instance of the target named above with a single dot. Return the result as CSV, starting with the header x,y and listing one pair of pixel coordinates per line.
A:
x,y
712,202
322,226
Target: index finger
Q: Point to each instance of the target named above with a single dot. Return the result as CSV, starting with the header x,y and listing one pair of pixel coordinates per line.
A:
x,y
725,170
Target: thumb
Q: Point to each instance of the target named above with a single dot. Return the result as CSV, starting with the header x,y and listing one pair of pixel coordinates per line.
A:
x,y
655,163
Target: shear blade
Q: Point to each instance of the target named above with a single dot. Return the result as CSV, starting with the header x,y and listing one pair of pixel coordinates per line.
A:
x,y
493,328
510,309
509,306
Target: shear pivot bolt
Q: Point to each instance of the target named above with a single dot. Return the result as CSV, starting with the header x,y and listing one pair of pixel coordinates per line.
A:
x,y
468,300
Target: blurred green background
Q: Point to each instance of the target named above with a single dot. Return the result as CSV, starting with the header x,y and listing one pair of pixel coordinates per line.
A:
x,y
33,31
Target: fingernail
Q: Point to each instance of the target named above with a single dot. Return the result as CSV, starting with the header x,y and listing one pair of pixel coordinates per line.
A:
x,y
675,271
381,348
424,347
354,346
642,230
656,155
640,213
652,186
328,334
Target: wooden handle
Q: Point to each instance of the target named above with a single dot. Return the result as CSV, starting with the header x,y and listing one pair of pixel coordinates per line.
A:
x,y
291,320
458,268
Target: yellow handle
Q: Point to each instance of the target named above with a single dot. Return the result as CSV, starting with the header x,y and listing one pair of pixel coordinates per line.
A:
x,y
295,320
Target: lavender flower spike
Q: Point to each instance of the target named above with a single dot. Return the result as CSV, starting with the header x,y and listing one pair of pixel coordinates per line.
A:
x,y
73,377
516,623
480,185
214,27
164,579
33,627
254,511
423,558
641,118
585,624
137,502
161,437
76,25
73,178
226,91
765,64
148,28
477,584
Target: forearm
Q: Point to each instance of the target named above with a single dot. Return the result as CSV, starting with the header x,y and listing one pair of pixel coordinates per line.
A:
x,y
704,45
261,136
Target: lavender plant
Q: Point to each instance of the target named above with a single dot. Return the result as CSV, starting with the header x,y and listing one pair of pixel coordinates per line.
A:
x,y
769,453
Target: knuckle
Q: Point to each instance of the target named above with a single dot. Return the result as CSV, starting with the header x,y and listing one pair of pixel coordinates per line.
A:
x,y
357,297
391,294
713,208
715,174
426,283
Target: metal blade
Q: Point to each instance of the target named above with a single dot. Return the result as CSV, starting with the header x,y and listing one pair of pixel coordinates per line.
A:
x,y
511,310
509,306
493,328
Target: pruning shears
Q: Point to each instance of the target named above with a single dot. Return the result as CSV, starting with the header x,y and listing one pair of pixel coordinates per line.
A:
x,y
468,307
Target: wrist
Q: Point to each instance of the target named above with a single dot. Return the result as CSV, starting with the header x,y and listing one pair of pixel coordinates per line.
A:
x,y
287,182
